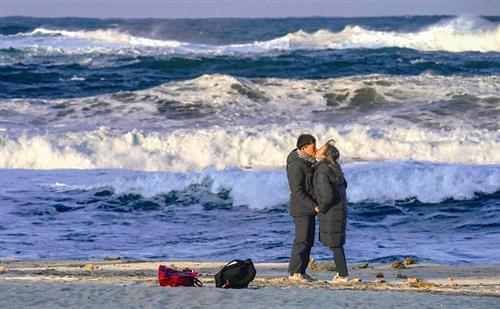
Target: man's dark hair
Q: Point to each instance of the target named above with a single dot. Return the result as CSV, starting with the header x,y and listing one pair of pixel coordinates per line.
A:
x,y
304,140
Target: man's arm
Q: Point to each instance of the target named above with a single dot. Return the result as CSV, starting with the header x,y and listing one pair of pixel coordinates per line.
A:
x,y
296,180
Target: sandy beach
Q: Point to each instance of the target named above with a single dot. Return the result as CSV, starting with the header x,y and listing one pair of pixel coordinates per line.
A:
x,y
120,283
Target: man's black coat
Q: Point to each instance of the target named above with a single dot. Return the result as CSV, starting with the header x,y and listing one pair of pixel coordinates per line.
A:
x,y
300,176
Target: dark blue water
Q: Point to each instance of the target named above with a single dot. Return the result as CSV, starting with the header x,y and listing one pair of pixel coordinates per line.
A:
x,y
44,220
47,74
50,80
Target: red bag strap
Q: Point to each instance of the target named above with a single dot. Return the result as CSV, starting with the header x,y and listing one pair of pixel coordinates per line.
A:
x,y
197,282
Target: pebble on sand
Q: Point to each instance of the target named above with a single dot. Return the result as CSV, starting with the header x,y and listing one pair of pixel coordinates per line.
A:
x,y
418,283
317,266
401,276
112,258
90,267
398,265
379,275
414,281
451,282
3,269
363,265
409,260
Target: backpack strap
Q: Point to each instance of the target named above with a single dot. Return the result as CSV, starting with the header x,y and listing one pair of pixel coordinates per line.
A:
x,y
233,262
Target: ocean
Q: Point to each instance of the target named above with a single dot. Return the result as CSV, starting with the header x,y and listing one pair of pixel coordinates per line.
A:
x,y
167,138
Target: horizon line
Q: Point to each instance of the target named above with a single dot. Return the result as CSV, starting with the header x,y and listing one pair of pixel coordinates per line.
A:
x,y
260,17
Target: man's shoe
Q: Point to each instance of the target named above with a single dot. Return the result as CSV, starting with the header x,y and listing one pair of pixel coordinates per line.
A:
x,y
300,278
339,279
307,277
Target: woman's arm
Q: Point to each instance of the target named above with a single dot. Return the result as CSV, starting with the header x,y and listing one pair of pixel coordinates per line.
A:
x,y
323,189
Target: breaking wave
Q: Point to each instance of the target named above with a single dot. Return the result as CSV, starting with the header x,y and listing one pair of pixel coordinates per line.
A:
x,y
376,182
257,147
430,101
459,34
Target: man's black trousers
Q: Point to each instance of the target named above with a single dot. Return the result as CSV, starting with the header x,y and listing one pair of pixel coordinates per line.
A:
x,y
304,240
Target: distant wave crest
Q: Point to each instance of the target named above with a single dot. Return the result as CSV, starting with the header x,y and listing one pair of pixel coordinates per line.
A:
x,y
459,34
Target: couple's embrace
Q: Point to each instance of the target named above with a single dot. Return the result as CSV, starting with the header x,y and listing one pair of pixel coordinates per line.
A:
x,y
318,188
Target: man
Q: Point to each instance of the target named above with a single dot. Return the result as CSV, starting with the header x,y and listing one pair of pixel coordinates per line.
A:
x,y
303,207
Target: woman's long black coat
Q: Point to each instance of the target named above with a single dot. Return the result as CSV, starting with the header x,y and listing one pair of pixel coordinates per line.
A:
x,y
332,203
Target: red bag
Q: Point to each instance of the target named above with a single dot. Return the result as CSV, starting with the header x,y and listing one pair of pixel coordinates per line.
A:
x,y
168,276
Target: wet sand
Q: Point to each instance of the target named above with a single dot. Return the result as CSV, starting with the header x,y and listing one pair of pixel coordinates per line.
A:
x,y
121,283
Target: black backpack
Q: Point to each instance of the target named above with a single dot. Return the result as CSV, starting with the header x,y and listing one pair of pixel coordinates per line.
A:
x,y
237,274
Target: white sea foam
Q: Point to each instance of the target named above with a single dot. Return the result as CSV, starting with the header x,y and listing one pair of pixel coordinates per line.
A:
x,y
439,102
455,35
259,146
220,121
77,78
459,34
106,35
379,182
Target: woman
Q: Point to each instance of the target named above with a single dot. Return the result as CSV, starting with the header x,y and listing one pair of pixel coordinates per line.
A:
x,y
330,190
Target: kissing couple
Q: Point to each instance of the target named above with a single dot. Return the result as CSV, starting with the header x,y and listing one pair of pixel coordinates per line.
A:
x,y
317,188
